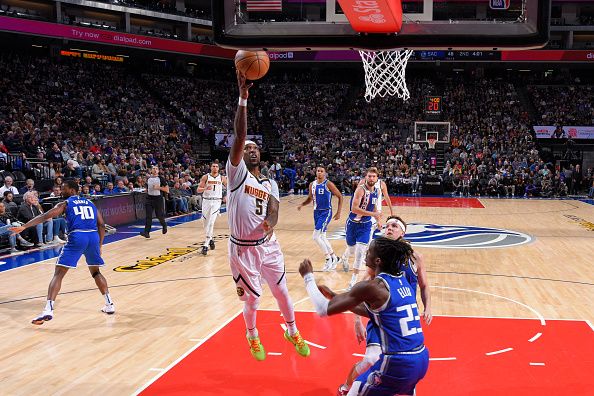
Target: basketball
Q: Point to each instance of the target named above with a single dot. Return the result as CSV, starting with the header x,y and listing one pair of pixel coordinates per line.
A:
x,y
253,64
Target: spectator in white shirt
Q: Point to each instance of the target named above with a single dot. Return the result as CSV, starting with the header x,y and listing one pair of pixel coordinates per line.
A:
x,y
8,186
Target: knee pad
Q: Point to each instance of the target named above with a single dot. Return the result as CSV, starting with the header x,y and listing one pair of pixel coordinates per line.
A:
x,y
372,355
96,273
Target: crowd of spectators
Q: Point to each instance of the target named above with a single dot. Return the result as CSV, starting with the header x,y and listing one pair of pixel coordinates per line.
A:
x,y
564,104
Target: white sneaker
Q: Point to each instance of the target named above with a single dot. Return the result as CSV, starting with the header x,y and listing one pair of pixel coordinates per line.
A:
x,y
351,284
57,239
108,309
44,317
335,261
328,264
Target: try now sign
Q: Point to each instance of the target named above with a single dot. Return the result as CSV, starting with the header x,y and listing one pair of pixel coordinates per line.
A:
x,y
373,16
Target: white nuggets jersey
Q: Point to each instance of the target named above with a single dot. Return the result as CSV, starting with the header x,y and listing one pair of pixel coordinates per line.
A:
x,y
214,187
247,203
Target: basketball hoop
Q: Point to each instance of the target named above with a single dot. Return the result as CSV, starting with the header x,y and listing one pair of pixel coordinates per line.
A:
x,y
431,142
385,73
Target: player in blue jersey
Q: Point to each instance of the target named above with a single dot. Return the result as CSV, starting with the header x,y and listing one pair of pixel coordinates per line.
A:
x,y
389,301
321,191
86,231
359,226
415,274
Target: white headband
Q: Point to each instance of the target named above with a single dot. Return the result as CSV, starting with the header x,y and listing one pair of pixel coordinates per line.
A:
x,y
399,223
250,142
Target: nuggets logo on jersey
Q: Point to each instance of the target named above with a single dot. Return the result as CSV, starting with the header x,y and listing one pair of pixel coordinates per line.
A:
x,y
457,237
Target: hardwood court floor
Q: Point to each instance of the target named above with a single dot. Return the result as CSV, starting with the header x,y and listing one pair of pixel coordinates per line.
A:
x,y
164,310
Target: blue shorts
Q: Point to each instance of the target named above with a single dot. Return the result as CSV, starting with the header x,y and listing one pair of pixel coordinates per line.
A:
x,y
394,374
80,243
373,337
322,218
358,232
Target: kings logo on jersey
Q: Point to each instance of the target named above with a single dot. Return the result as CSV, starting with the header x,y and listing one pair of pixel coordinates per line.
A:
x,y
456,237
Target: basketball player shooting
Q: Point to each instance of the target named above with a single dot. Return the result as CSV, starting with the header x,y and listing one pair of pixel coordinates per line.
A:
x,y
211,188
254,252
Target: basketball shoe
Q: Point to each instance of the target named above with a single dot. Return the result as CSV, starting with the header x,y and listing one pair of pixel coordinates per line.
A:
x,y
256,347
300,346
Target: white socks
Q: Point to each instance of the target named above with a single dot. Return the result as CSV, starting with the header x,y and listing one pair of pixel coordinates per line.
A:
x,y
49,306
108,300
291,328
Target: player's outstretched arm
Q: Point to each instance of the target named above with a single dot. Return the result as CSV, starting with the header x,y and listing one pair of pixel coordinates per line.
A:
x,y
240,124
423,286
56,211
366,291
308,199
337,194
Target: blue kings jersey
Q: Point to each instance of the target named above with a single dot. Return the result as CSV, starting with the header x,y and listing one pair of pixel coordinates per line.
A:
x,y
398,320
81,214
367,203
322,197
410,272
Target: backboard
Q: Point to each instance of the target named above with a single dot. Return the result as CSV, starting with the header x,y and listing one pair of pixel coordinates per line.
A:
x,y
432,129
425,24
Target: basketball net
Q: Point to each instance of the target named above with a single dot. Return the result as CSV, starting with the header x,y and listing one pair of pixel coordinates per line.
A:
x,y
431,142
385,73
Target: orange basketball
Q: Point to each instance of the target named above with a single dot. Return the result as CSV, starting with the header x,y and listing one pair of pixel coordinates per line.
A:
x,y
254,64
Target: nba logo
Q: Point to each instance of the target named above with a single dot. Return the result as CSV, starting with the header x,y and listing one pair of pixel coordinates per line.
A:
x,y
499,4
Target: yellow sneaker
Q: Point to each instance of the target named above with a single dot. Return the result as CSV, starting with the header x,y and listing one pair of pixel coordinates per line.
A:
x,y
256,348
300,346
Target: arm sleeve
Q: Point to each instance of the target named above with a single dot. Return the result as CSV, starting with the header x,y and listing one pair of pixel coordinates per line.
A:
x,y
236,175
320,302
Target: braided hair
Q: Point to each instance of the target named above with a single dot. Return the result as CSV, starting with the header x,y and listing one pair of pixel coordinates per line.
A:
x,y
393,253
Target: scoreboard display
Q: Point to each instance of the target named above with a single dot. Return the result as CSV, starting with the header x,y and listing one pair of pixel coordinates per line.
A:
x,y
433,105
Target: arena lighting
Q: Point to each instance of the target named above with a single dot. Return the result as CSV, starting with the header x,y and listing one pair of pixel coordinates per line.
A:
x,y
83,50
525,70
192,63
159,60
36,46
123,56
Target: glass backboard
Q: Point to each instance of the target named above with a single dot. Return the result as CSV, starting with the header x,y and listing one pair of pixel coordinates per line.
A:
x,y
425,24
424,130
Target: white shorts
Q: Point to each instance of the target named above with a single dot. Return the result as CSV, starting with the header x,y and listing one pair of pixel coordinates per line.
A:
x,y
210,207
252,264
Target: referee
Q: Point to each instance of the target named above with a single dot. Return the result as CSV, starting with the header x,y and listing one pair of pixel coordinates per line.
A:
x,y
155,201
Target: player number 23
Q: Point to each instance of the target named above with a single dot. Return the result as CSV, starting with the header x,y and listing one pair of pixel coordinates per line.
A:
x,y
85,212
412,313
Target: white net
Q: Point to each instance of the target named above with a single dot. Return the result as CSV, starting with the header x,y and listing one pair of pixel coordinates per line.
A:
x,y
385,73
431,143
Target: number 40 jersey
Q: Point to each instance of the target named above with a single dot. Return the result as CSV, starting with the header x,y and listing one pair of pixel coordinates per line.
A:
x,y
81,214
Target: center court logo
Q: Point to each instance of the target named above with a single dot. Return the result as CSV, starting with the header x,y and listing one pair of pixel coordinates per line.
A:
x,y
457,237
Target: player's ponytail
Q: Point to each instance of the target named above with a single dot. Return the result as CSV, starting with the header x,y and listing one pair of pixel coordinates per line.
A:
x,y
394,254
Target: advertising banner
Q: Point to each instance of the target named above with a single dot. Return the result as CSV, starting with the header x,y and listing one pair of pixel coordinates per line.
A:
x,y
554,132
